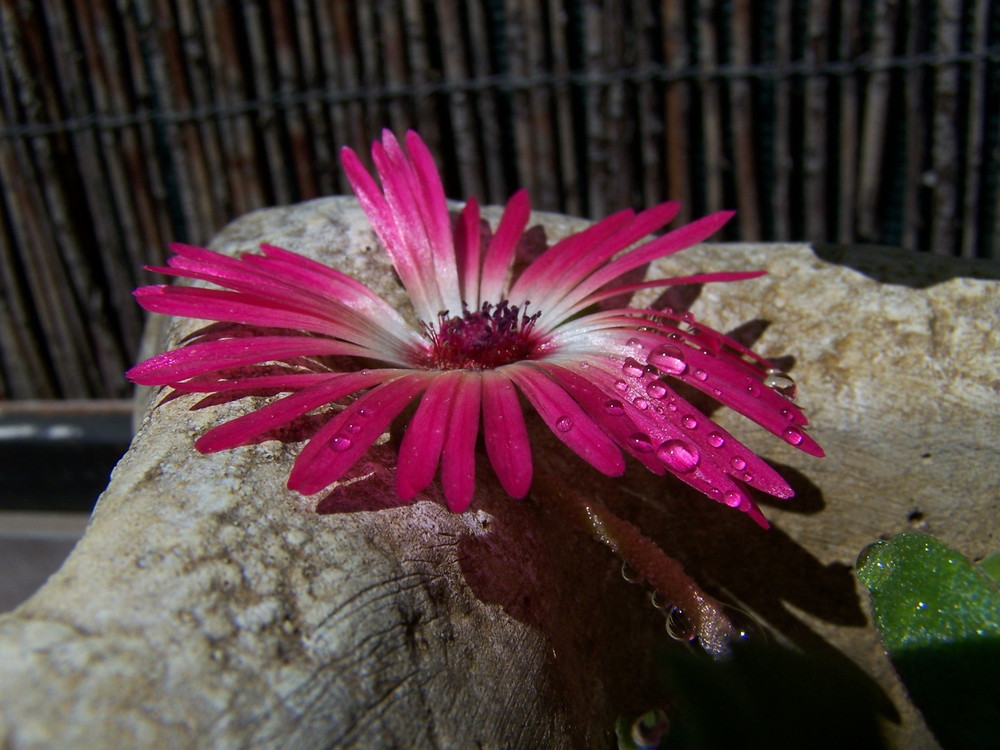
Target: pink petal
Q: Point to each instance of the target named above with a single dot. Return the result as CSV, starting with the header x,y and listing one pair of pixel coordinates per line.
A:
x,y
672,242
198,359
467,250
701,278
500,253
383,221
567,420
421,448
246,428
505,434
458,462
535,278
338,445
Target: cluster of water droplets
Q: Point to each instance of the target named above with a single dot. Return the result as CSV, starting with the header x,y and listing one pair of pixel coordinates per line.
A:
x,y
344,441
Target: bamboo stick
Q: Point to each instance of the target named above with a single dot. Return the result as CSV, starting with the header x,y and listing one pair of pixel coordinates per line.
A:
x,y
815,119
710,105
874,122
914,220
944,147
487,105
847,138
568,174
462,114
741,117
974,156
781,203
321,139
676,101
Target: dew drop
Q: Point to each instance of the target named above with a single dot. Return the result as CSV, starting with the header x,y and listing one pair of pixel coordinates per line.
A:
x,y
656,389
753,389
716,440
689,422
792,436
365,411
668,358
629,573
738,463
614,407
732,499
701,375
747,477
679,627
678,455
353,428
340,444
564,424
688,317
632,368
671,406
717,392
641,404
788,414
640,442
780,382
634,342
621,385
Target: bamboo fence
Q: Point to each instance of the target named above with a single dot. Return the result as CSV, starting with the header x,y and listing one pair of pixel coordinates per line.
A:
x,y
128,124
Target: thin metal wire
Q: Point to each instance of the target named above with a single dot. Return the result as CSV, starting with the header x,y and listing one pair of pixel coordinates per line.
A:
x,y
500,82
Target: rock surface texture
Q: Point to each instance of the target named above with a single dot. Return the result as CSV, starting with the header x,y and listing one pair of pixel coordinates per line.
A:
x,y
208,606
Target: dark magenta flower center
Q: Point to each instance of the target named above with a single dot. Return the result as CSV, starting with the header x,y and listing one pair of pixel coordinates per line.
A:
x,y
490,337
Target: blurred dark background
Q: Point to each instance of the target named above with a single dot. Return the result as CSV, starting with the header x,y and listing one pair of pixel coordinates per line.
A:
x,y
126,125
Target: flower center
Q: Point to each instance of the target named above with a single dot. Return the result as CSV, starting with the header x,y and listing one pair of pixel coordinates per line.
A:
x,y
493,336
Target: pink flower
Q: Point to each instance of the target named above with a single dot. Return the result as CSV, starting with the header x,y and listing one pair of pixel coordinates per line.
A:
x,y
601,378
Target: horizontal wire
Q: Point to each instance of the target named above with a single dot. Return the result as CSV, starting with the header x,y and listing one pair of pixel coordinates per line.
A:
x,y
501,82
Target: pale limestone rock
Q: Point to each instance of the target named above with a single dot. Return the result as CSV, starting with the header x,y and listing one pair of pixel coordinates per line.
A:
x,y
208,606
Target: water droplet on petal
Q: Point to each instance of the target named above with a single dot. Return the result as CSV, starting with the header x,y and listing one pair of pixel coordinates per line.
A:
x,y
701,375
340,444
716,440
792,436
614,407
738,463
353,428
668,358
732,499
640,442
679,456
780,382
671,405
634,342
656,389
679,627
564,424
365,412
621,385
641,404
716,391
753,389
632,368
689,422
688,317
629,573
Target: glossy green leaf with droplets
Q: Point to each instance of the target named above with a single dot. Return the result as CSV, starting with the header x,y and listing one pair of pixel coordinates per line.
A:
x,y
939,619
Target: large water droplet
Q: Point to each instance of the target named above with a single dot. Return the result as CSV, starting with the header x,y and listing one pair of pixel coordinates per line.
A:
x,y
656,389
632,368
668,358
738,463
792,436
689,422
716,440
340,444
564,424
780,382
640,442
678,455
732,499
679,627
614,407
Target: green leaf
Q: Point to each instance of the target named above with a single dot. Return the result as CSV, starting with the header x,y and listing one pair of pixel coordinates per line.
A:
x,y
939,618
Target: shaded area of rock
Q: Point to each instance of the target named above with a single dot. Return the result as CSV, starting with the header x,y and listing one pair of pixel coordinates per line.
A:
x,y
208,606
